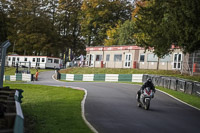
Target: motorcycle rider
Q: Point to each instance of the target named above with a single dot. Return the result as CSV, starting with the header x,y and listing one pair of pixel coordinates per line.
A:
x,y
149,84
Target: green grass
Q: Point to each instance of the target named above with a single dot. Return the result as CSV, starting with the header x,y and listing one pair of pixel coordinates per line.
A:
x,y
52,109
86,70
11,70
190,99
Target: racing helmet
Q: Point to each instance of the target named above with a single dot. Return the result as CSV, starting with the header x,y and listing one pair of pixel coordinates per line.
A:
x,y
149,80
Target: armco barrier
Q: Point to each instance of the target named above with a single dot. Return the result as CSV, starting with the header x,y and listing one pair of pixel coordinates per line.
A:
x,y
19,77
125,77
173,84
69,77
166,82
137,78
12,120
78,77
63,76
111,77
188,87
154,79
181,85
196,89
19,120
88,77
99,77
103,77
162,80
12,77
144,78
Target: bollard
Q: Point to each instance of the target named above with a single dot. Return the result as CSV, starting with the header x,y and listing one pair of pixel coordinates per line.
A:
x,y
194,67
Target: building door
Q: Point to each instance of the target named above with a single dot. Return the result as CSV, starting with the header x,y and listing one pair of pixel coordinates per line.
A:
x,y
177,61
87,59
38,62
91,60
128,60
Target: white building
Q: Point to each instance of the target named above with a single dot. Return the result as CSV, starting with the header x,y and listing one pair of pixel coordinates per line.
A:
x,y
136,57
34,61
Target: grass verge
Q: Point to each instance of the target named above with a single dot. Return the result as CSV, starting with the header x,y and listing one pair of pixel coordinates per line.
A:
x,y
52,109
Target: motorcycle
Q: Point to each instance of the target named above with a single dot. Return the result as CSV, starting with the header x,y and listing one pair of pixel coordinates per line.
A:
x,y
145,98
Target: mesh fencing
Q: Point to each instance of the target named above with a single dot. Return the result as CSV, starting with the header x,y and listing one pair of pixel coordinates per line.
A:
x,y
185,67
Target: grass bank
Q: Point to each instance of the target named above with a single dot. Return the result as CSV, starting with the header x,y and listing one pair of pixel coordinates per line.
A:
x,y
51,109
87,70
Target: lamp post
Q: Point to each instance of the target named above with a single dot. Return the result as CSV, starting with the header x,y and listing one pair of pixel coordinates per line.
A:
x,y
3,50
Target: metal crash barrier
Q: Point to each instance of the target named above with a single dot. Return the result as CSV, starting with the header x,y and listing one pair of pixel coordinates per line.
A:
x,y
11,116
182,85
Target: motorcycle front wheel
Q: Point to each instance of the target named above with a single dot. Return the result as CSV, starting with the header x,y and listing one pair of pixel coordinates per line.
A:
x,y
147,104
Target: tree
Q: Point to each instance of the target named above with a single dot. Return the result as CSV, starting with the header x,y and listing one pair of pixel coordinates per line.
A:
x,y
122,34
3,19
126,32
31,29
69,25
163,23
101,15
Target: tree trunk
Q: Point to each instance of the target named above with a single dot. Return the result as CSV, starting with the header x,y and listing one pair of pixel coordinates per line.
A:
x,y
158,63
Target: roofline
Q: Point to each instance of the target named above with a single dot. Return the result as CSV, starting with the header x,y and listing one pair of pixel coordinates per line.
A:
x,y
111,46
34,56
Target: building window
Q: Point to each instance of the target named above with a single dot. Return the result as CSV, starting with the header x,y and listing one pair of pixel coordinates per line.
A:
x,y
50,61
13,59
117,57
38,59
56,61
18,59
177,60
43,60
142,57
108,57
25,59
152,58
166,58
98,57
33,59
9,59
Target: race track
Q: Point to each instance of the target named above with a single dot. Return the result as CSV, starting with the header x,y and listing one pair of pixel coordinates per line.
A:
x,y
112,108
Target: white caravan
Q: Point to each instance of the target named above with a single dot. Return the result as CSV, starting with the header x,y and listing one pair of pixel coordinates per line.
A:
x,y
42,62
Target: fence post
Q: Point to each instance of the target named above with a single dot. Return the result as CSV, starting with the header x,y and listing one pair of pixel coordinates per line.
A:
x,y
3,49
181,67
167,65
193,64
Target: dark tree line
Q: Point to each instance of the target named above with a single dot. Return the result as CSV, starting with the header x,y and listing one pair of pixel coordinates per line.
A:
x,y
163,23
51,27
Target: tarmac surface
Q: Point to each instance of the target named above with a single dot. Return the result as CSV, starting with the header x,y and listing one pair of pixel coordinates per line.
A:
x,y
112,108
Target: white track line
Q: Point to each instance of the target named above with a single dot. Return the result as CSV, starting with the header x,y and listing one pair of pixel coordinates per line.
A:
x,y
82,105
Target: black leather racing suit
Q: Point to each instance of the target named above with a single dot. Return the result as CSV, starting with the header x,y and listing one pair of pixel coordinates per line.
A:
x,y
146,84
